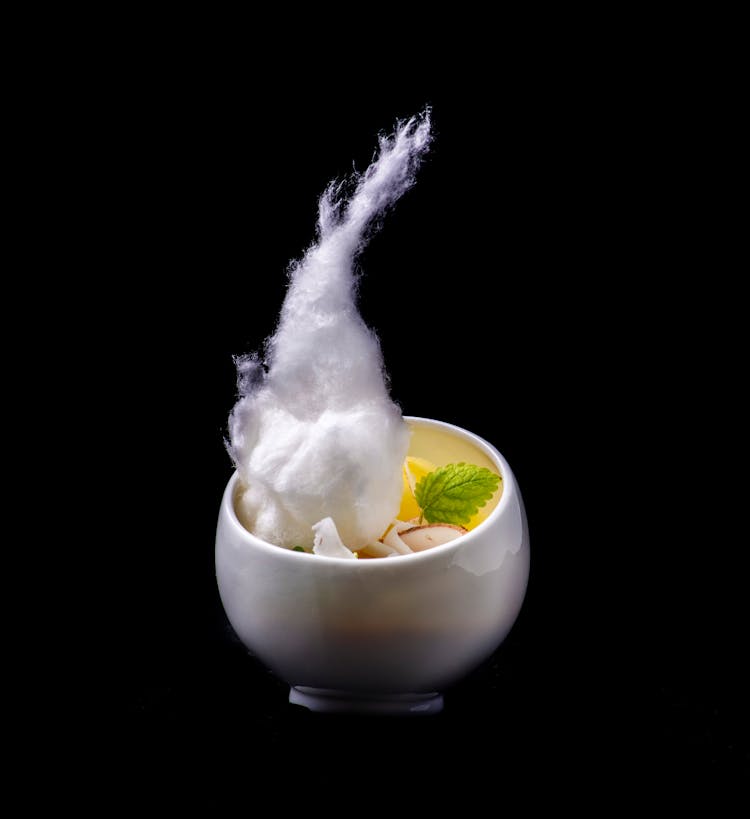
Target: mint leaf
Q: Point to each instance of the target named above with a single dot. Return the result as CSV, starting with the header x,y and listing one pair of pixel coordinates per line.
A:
x,y
453,493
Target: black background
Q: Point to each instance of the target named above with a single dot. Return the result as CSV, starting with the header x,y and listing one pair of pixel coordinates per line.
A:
x,y
532,261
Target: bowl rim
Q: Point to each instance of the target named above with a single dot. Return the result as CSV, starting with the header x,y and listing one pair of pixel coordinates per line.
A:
x,y
509,489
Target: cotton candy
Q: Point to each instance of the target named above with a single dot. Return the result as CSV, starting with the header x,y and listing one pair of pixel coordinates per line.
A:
x,y
315,433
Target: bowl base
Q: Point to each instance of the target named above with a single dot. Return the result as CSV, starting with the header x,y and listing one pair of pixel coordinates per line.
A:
x,y
330,701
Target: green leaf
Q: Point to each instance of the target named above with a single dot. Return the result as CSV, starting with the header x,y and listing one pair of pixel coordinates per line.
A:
x,y
453,493
297,549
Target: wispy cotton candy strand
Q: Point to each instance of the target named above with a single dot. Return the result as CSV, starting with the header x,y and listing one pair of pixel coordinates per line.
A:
x,y
315,433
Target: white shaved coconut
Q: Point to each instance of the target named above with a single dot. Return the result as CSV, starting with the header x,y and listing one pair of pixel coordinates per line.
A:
x,y
393,540
376,548
327,541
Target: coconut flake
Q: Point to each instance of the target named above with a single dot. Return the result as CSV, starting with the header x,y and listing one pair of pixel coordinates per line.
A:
x,y
327,541
393,540
376,548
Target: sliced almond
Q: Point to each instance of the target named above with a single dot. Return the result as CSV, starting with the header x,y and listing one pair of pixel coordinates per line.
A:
x,y
419,538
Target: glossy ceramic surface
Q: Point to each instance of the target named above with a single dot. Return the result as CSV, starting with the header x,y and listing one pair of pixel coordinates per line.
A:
x,y
377,634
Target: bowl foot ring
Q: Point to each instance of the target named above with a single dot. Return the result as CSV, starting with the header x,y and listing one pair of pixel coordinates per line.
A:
x,y
330,701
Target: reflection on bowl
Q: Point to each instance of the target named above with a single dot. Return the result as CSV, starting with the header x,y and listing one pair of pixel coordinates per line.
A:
x,y
383,635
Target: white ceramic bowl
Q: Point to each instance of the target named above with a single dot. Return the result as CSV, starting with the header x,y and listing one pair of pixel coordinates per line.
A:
x,y
377,635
